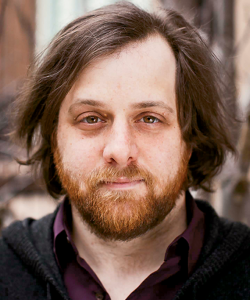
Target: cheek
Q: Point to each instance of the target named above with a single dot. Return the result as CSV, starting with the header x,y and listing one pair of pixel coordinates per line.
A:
x,y
77,152
162,157
162,149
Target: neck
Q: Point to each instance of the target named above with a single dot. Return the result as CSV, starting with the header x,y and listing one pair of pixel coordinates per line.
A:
x,y
145,253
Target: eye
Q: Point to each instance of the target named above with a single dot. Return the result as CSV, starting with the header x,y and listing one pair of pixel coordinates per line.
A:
x,y
91,120
149,119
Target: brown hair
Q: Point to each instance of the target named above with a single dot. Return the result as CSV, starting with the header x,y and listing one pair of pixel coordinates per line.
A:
x,y
201,112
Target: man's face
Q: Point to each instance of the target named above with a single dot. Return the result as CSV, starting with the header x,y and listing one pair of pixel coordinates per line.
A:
x,y
120,154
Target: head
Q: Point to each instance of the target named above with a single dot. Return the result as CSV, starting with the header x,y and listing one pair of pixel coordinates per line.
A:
x,y
121,93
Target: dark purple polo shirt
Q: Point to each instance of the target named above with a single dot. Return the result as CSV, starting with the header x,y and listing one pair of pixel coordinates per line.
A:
x,y
180,259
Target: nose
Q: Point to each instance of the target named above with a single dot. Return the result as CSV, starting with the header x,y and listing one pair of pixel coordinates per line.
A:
x,y
120,147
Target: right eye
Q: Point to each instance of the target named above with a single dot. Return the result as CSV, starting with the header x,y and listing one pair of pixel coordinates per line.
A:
x,y
91,120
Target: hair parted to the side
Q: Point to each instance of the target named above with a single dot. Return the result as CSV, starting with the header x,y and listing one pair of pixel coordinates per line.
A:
x,y
201,113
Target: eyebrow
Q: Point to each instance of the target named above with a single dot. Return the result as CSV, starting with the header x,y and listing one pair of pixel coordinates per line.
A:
x,y
90,102
146,104
140,105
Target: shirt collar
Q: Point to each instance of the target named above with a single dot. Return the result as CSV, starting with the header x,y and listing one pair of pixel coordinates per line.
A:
x,y
195,232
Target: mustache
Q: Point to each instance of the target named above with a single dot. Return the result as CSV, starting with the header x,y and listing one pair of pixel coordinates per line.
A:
x,y
108,174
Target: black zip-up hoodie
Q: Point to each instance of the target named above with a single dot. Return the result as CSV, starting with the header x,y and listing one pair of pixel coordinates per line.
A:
x,y
28,268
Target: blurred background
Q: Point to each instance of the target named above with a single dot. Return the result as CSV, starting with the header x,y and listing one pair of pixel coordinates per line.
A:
x,y
26,28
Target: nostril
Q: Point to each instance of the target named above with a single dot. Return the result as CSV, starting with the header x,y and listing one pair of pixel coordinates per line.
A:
x,y
120,151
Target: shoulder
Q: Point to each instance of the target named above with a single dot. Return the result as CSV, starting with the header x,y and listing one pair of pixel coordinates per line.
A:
x,y
22,254
223,270
28,227
17,238
223,234
21,234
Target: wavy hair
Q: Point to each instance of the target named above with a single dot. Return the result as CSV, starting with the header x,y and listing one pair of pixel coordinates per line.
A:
x,y
202,115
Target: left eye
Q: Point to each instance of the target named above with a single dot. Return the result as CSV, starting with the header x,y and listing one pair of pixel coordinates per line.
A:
x,y
149,119
91,120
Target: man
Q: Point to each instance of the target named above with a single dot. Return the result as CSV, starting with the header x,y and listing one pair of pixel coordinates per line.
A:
x,y
122,115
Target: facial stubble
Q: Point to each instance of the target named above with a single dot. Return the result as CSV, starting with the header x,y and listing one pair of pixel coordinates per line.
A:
x,y
120,214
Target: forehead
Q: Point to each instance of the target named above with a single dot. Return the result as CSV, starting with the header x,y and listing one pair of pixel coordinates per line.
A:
x,y
142,71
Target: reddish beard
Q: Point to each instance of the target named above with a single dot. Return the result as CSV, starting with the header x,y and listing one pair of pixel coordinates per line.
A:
x,y
118,214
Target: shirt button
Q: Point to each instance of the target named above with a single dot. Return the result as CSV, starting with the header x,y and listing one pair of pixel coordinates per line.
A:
x,y
99,296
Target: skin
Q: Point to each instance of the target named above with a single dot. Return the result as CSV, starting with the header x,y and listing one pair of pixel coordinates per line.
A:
x,y
131,118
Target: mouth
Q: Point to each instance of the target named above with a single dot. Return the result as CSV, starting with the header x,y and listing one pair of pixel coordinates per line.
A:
x,y
122,183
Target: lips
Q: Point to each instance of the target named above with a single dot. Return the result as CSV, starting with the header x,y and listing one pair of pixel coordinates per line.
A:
x,y
122,182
